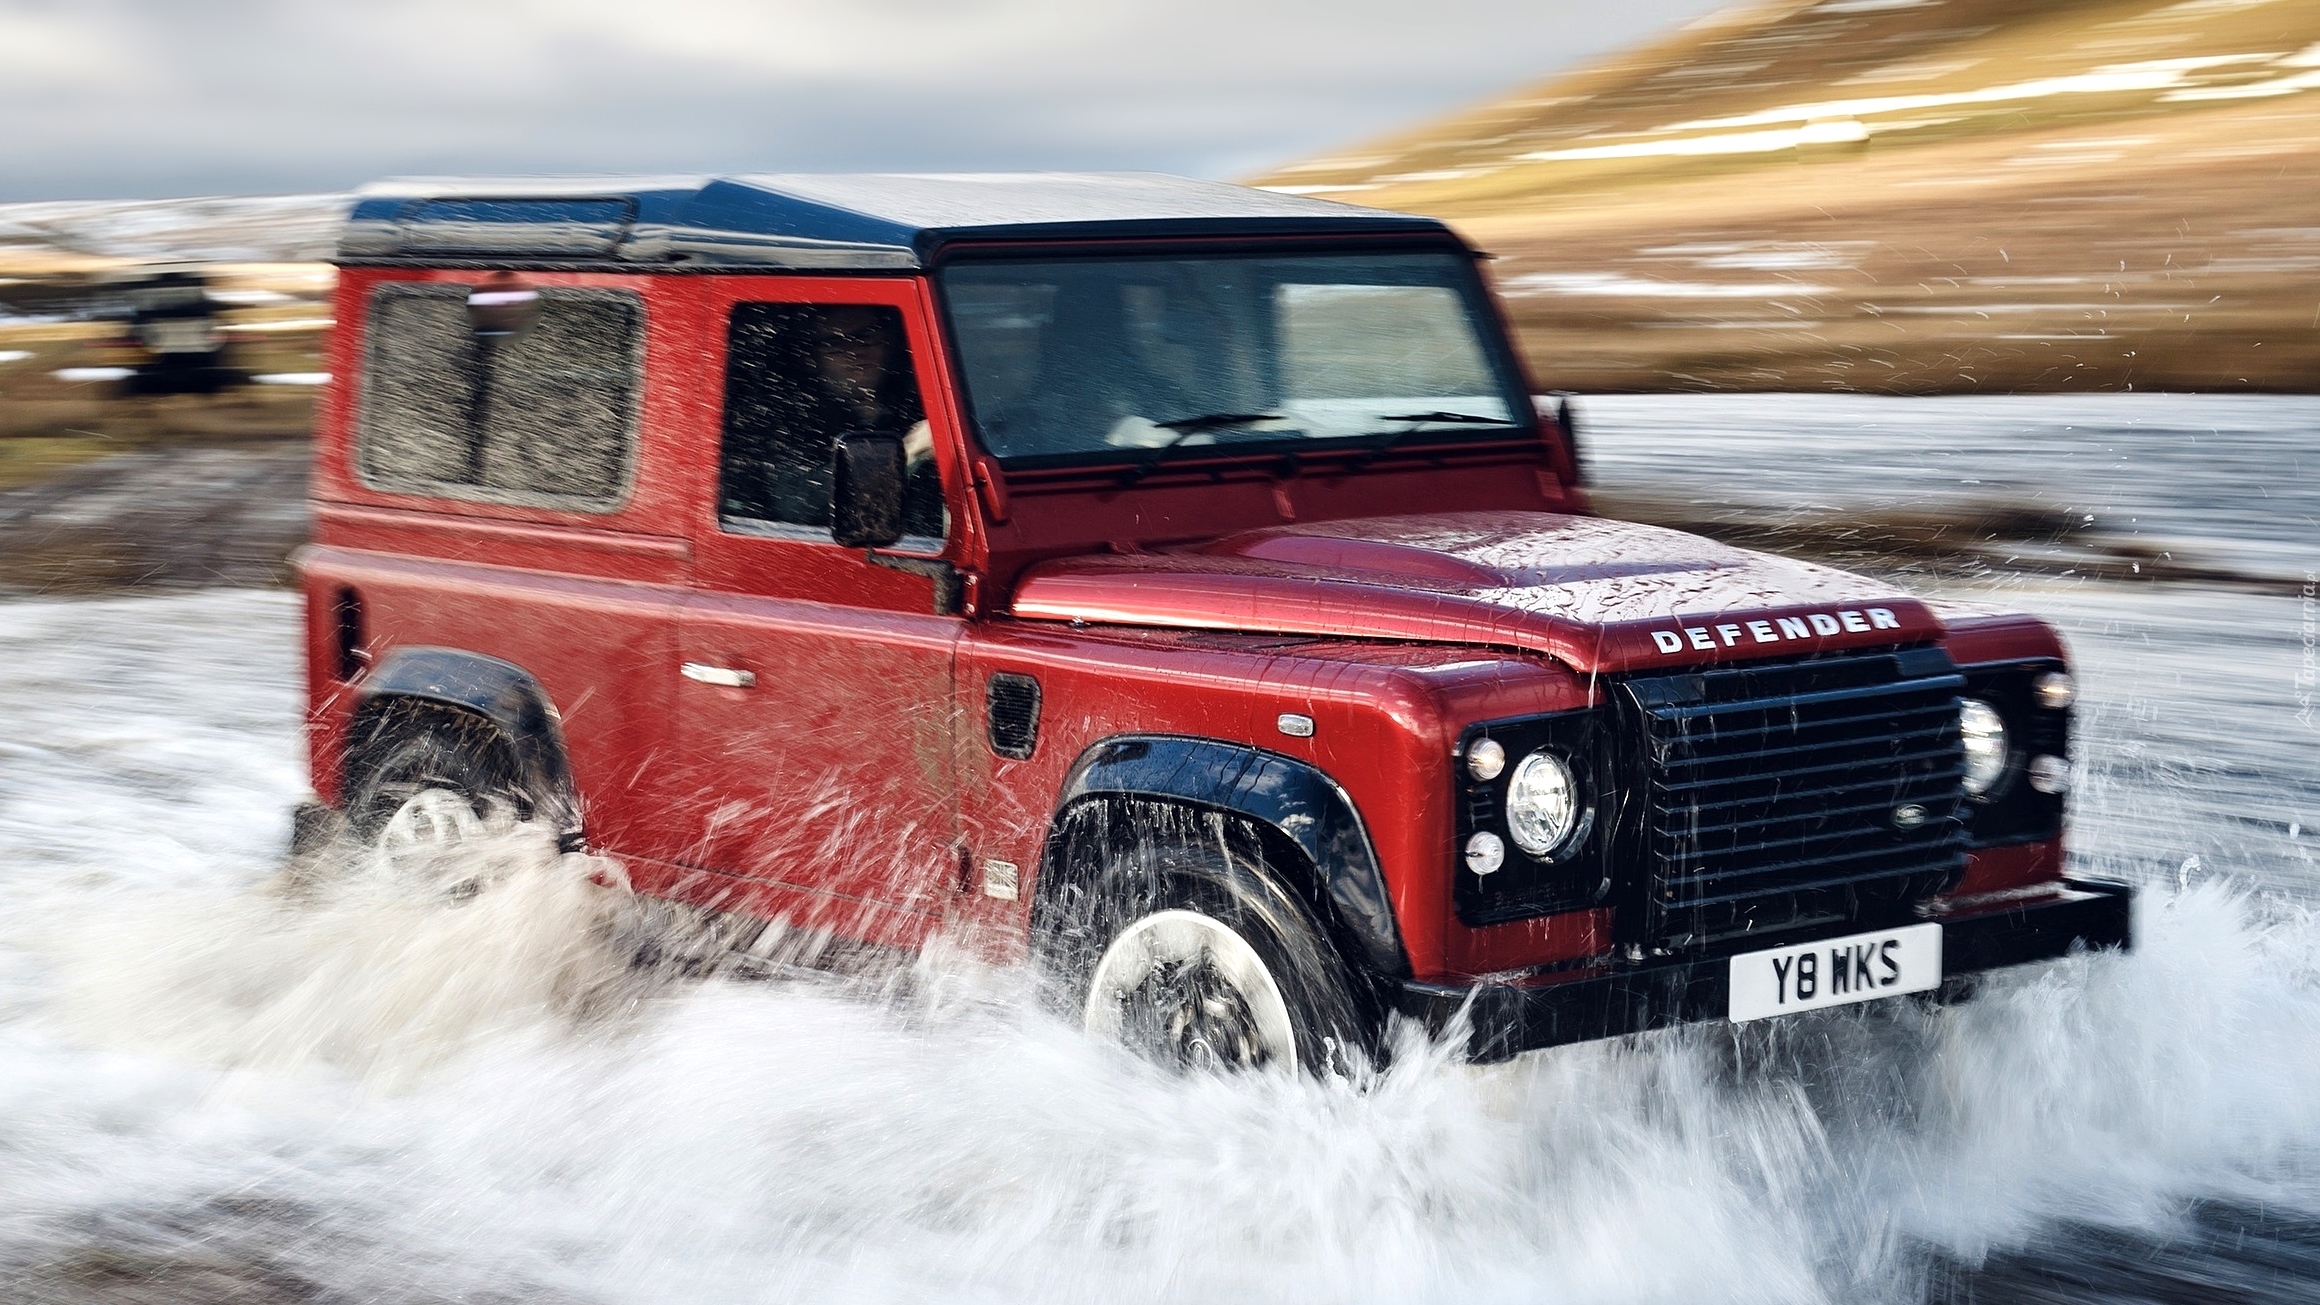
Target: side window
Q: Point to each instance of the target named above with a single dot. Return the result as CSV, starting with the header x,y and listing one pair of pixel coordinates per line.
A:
x,y
798,376
544,414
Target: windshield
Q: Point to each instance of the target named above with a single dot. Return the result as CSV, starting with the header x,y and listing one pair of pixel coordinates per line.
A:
x,y
1070,358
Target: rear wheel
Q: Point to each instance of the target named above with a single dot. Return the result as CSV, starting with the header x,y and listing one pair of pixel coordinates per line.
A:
x,y
435,817
432,788
1188,949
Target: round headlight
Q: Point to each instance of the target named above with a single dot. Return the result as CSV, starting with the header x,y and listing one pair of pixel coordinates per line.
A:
x,y
1542,803
1985,736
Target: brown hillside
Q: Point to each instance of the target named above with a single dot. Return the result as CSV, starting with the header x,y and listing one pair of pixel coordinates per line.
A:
x,y
1900,195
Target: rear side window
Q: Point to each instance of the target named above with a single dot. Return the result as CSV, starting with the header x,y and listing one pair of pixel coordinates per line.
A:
x,y
546,415
798,376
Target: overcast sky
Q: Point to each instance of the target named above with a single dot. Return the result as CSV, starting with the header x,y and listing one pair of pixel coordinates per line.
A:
x,y
135,98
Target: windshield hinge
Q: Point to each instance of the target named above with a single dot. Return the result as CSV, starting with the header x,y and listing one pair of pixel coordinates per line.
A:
x,y
948,584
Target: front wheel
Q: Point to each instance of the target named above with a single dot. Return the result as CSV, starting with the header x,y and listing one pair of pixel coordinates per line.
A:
x,y
1191,952
1182,988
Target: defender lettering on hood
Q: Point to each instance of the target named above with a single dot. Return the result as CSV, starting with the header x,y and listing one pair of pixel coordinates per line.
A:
x,y
1778,630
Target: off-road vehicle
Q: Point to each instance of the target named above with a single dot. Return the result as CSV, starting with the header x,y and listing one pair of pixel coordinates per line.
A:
x,y
1168,584
178,346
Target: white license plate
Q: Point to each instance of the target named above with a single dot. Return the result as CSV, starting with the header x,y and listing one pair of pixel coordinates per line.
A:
x,y
1835,972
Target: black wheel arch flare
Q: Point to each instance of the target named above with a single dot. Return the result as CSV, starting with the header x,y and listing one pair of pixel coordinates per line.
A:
x,y
1282,795
502,694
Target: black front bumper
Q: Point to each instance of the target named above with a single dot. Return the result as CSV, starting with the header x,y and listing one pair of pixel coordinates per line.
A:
x,y
1506,1019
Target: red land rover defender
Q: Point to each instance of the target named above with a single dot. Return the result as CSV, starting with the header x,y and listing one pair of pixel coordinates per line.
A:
x,y
1167,583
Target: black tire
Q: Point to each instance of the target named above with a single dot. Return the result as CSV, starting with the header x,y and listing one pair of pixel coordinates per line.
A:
x,y
1183,1015
423,752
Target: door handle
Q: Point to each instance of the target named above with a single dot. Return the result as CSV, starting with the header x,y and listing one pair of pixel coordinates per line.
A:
x,y
725,675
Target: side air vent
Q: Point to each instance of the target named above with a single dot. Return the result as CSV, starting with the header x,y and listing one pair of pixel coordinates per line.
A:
x,y
353,639
1013,702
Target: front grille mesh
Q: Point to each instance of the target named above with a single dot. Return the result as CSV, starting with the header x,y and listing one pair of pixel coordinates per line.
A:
x,y
1781,796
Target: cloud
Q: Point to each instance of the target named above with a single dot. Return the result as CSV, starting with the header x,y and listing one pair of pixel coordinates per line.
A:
x,y
153,97
43,52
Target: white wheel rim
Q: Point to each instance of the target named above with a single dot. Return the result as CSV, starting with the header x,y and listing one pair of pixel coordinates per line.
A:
x,y
432,818
1185,939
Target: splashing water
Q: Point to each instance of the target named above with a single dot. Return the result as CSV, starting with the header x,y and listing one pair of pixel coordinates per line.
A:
x,y
352,965
215,1085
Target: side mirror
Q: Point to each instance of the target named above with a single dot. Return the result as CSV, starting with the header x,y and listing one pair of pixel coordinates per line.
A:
x,y
502,306
867,474
1568,421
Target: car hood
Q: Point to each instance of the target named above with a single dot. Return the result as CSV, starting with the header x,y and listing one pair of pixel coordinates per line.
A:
x,y
1594,594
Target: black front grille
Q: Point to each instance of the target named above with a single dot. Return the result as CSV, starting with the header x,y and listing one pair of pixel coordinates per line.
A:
x,y
1796,795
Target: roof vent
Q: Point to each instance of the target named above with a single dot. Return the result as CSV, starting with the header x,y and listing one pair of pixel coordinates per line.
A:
x,y
577,228
1013,703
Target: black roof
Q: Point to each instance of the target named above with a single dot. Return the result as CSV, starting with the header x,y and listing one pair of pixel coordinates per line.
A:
x,y
849,223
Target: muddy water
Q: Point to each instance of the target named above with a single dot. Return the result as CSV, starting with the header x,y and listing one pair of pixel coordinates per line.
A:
x,y
380,1091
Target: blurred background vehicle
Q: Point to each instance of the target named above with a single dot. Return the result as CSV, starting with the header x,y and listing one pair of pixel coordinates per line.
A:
x,y
178,344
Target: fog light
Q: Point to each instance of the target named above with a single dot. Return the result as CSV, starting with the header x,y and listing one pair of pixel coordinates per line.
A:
x,y
1485,853
1485,759
2056,690
1984,732
2049,774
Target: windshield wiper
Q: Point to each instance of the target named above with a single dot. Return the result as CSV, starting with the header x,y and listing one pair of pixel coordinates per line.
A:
x,y
1216,421
1186,428
1455,418
1383,441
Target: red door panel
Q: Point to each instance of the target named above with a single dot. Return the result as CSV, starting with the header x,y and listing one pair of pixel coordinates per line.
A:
x,y
814,695
831,769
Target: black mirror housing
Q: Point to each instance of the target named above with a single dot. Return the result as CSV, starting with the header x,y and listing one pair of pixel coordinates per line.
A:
x,y
503,305
867,475
1569,421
